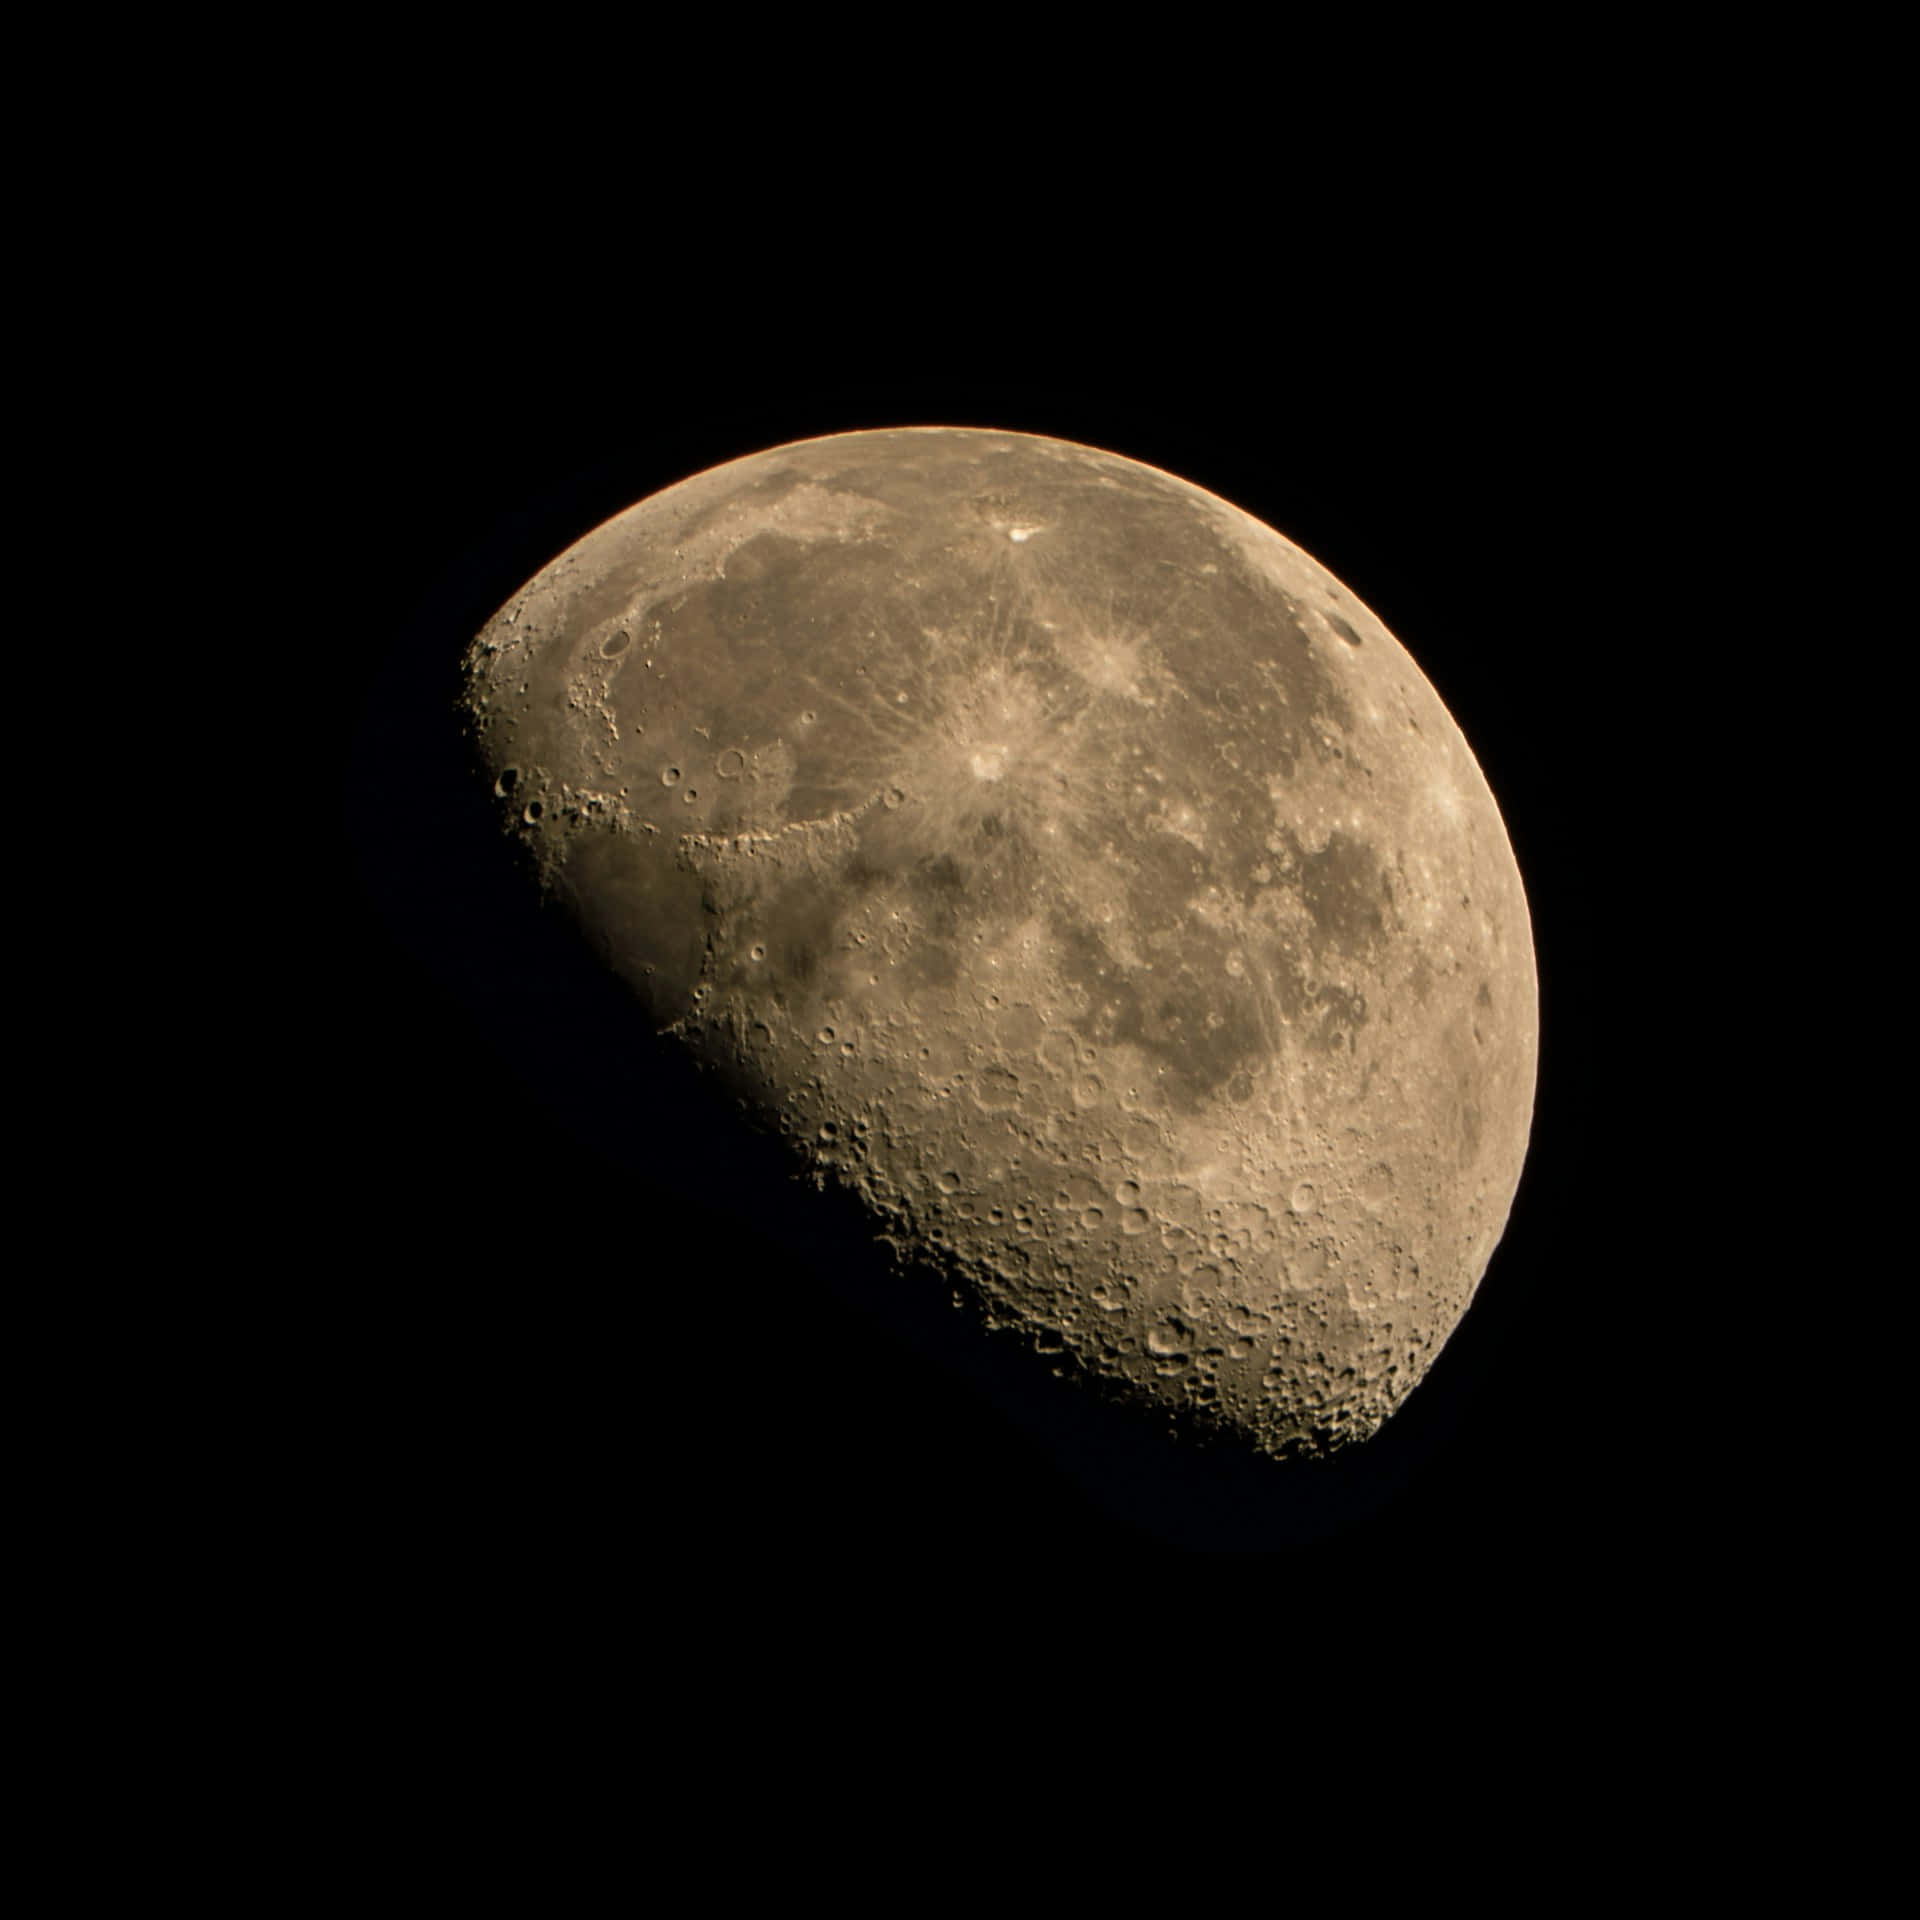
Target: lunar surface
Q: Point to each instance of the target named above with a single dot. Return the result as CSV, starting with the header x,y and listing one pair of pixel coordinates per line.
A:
x,y
1070,866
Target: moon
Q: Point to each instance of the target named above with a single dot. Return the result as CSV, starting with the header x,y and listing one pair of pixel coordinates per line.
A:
x,y
1071,869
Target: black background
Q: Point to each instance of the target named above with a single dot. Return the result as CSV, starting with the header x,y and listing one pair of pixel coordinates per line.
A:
x,y
577,1344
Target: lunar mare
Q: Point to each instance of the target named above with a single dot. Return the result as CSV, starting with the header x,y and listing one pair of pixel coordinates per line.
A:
x,y
1071,867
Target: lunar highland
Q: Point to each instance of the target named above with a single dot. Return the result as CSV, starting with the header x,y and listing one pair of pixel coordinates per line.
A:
x,y
1070,867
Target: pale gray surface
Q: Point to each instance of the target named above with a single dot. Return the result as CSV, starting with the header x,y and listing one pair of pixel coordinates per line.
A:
x,y
1074,867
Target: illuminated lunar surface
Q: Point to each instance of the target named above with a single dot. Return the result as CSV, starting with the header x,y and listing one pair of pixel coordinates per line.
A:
x,y
1069,865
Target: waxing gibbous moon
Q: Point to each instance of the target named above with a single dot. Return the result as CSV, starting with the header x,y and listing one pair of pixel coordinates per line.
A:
x,y
1069,866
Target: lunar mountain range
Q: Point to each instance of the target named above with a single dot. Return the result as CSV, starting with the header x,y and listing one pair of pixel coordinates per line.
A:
x,y
1069,866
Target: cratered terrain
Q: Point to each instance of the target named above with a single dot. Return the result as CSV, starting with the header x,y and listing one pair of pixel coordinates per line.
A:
x,y
1075,872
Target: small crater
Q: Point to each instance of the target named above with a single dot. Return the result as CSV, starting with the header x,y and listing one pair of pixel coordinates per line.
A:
x,y
1171,1339
948,1182
731,764
669,776
1303,1198
507,782
758,951
1135,1220
825,1036
1091,1218
533,812
616,643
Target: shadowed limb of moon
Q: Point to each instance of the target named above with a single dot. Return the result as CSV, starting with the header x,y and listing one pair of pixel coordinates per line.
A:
x,y
1075,873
